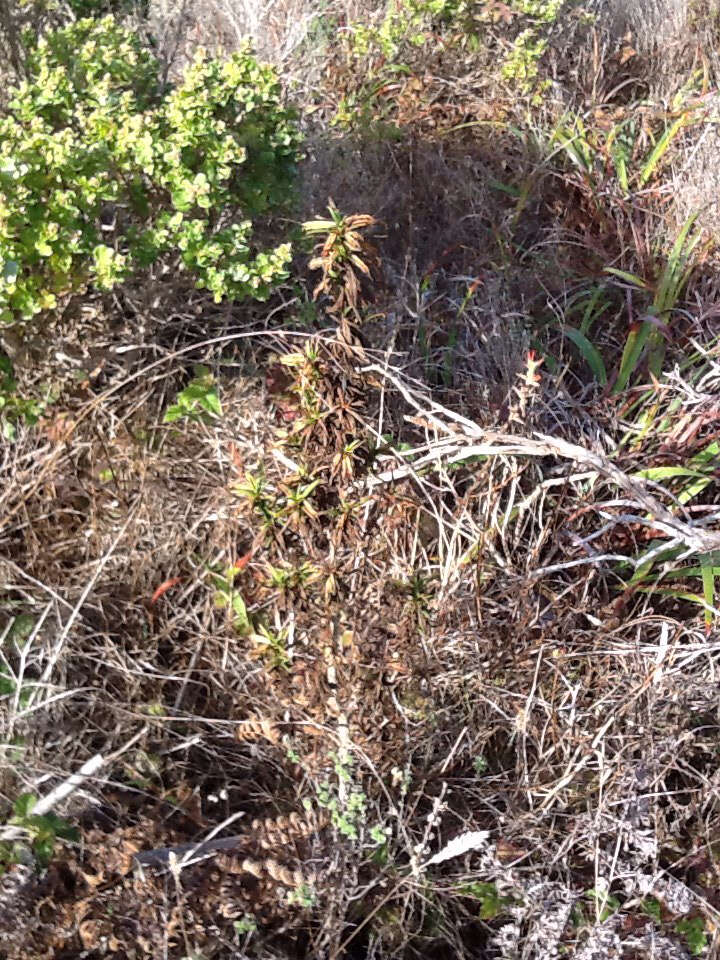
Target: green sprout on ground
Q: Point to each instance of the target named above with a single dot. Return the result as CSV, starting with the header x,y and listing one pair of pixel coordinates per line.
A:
x,y
42,830
198,401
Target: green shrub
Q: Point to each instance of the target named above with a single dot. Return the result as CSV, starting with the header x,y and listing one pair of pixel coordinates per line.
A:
x,y
96,8
103,170
23,22
14,407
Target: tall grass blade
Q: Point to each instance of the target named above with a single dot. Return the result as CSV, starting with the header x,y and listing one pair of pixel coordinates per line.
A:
x,y
676,273
684,572
634,346
660,148
672,282
632,278
708,581
591,313
667,473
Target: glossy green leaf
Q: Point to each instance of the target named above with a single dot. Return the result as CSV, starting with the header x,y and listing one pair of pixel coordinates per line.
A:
x,y
631,278
589,353
24,805
667,473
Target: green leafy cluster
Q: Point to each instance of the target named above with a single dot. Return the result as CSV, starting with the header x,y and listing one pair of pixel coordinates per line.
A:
x,y
14,407
268,643
96,8
103,170
545,11
9,688
522,63
407,21
199,400
693,929
81,8
344,800
20,628
42,830
521,42
245,925
492,902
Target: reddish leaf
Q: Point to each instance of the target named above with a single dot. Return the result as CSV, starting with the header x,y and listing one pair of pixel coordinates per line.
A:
x,y
163,588
287,413
236,459
243,561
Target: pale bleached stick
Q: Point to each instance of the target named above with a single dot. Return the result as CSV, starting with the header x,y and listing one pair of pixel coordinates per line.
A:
x,y
69,786
63,790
